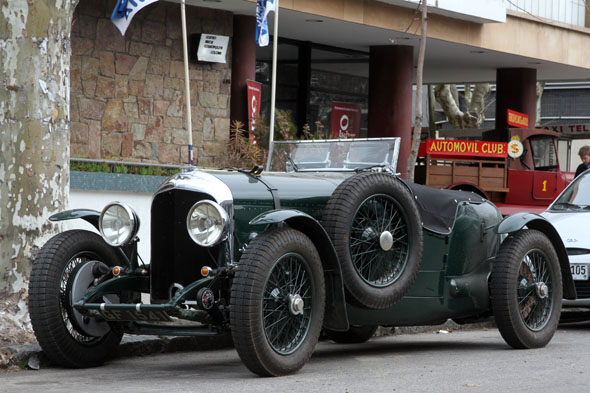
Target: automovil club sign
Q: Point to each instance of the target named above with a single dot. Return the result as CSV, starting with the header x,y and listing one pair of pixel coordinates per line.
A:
x,y
440,147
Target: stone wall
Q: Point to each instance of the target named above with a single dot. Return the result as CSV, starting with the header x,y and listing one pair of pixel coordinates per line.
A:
x,y
127,93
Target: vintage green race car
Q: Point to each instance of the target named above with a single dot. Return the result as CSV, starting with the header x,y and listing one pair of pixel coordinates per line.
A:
x,y
329,240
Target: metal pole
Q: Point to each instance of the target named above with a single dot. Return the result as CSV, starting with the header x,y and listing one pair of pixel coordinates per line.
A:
x,y
189,123
273,85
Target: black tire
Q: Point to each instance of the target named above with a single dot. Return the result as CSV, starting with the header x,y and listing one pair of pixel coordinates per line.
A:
x,y
271,339
526,289
52,315
357,216
354,335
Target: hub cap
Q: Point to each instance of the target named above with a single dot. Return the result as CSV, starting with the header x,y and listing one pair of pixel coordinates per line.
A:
x,y
296,304
386,241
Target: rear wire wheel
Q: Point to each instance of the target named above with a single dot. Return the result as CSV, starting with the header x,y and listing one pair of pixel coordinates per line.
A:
x,y
526,289
278,296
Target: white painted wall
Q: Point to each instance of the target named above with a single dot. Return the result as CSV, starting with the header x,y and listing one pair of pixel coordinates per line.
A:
x,y
97,200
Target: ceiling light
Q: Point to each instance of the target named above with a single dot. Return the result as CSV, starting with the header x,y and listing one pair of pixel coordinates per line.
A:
x,y
314,20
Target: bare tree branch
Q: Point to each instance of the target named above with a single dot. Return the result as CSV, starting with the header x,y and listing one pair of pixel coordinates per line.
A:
x,y
447,96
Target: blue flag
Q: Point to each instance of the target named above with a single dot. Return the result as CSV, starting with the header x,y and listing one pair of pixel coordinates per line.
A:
x,y
125,10
263,8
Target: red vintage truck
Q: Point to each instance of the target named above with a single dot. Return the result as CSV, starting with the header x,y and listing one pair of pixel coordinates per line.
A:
x,y
516,168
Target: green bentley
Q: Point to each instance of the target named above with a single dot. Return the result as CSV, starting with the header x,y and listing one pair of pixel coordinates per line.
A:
x,y
328,240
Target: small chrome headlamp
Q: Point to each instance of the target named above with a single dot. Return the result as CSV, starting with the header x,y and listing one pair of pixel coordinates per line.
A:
x,y
207,223
118,224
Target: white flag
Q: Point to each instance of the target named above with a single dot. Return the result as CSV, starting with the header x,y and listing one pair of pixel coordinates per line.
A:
x,y
125,10
263,8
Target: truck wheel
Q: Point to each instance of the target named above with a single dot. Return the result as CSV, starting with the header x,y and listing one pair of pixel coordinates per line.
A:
x,y
277,302
376,229
526,289
62,267
354,335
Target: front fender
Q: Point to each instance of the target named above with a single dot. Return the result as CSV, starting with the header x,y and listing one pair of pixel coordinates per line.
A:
x,y
89,215
336,317
518,221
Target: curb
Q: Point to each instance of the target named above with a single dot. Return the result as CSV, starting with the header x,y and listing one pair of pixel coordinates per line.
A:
x,y
31,356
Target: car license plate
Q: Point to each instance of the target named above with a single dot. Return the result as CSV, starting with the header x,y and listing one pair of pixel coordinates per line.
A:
x,y
135,315
579,271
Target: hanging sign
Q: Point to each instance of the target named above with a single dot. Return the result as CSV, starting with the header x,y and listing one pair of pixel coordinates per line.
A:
x,y
518,119
346,120
441,147
254,98
212,48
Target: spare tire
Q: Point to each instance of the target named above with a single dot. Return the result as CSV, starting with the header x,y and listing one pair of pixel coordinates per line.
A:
x,y
376,229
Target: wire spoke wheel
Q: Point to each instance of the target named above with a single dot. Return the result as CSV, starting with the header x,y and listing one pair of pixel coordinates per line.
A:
x,y
277,302
64,297
375,226
379,241
526,289
67,337
286,307
535,290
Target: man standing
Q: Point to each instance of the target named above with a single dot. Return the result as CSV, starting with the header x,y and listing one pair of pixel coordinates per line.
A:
x,y
585,157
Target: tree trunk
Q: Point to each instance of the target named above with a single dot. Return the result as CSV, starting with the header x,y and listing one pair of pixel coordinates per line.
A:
x,y
417,131
34,141
431,119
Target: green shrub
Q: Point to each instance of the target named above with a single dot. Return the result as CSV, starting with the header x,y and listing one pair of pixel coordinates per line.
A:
x,y
102,167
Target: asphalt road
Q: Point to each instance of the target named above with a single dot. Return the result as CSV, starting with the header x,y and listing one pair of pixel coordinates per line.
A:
x,y
460,361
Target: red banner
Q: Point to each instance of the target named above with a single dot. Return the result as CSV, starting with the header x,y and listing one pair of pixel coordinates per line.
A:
x,y
346,120
440,147
254,98
518,119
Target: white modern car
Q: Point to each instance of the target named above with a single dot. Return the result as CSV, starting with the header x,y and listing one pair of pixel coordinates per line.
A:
x,y
570,215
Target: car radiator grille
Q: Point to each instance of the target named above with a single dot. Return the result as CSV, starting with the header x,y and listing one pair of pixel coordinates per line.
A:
x,y
175,258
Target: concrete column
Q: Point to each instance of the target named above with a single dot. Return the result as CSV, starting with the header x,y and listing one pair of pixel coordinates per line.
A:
x,y
516,90
243,65
391,73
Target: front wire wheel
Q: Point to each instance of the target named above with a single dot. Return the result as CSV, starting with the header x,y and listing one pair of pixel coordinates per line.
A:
x,y
526,289
277,297
62,332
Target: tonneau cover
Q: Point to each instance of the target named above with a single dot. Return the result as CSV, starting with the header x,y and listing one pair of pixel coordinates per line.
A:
x,y
438,208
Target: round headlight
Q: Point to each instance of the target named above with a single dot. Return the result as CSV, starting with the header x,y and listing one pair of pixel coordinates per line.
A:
x,y
206,223
118,224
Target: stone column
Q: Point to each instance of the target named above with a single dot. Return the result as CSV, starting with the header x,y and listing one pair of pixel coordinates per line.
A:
x,y
243,65
516,90
391,72
34,138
